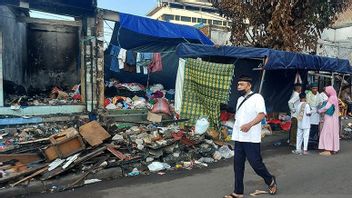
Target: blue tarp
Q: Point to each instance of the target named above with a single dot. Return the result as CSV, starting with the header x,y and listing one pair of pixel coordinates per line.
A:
x,y
276,59
144,34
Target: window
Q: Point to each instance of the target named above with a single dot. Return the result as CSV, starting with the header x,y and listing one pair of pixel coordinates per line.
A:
x,y
168,17
210,21
174,5
204,21
186,19
194,20
177,18
192,8
210,10
199,20
224,23
216,22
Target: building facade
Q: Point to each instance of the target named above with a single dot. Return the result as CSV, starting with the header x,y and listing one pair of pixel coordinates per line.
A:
x,y
194,13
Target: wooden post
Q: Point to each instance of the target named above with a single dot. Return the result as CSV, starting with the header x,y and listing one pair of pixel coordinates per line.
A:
x,y
343,77
100,59
83,66
1,73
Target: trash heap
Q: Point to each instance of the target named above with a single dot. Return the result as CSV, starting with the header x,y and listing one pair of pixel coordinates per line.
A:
x,y
134,95
347,131
55,96
49,151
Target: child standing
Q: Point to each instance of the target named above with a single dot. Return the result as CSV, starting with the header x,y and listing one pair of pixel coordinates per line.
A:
x,y
303,127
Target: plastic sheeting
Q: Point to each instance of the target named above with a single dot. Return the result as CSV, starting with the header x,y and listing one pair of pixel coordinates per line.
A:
x,y
149,35
276,59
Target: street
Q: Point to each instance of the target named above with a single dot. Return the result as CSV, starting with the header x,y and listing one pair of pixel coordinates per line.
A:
x,y
297,176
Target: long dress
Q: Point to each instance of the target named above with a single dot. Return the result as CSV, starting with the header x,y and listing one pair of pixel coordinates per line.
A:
x,y
329,137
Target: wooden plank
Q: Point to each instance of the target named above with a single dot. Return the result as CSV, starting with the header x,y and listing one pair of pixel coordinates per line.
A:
x,y
94,133
24,158
116,153
86,157
21,174
30,176
1,73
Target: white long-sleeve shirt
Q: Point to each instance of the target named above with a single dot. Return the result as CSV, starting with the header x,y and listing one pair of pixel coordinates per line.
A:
x,y
293,103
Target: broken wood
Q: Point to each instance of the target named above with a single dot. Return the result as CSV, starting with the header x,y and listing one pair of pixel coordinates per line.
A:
x,y
116,153
22,174
94,133
24,158
94,168
30,176
79,160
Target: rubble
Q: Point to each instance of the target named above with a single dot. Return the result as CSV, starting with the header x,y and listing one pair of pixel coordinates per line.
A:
x,y
55,96
86,147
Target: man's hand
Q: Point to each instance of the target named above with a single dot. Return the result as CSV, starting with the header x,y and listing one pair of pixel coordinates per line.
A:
x,y
246,127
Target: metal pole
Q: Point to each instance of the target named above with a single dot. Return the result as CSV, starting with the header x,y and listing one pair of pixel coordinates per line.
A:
x,y
343,77
262,81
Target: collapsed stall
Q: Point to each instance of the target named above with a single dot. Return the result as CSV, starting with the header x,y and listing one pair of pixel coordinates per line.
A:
x,y
140,62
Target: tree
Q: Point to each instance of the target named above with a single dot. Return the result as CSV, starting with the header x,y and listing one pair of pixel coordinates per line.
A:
x,y
291,25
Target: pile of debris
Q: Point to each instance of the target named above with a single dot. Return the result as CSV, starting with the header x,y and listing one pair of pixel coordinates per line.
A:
x,y
43,153
134,95
57,96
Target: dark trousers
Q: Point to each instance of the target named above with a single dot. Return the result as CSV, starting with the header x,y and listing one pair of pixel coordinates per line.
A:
x,y
251,151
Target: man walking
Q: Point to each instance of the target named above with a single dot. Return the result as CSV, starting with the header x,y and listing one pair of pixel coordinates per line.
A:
x,y
250,111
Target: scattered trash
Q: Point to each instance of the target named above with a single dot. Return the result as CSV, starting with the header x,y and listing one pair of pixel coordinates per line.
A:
x,y
158,166
134,172
202,126
91,181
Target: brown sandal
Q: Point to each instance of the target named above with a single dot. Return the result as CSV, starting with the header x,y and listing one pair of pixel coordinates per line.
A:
x,y
233,195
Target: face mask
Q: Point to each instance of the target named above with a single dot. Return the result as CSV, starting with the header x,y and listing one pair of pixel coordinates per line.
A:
x,y
242,92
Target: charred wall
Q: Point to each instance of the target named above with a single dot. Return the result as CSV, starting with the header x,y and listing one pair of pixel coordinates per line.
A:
x,y
53,56
14,46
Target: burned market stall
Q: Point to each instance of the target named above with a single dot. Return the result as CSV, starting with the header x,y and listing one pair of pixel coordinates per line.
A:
x,y
44,61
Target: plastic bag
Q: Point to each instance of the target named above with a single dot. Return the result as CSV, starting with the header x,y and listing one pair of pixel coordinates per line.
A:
x,y
226,152
161,106
202,126
158,166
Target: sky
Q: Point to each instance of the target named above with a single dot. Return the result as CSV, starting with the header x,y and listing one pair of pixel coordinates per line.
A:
x,y
135,7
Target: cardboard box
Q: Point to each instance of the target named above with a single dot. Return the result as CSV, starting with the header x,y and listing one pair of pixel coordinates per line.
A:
x,y
153,117
93,133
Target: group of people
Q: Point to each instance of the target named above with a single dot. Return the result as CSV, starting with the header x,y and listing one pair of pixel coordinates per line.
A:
x,y
309,111
314,115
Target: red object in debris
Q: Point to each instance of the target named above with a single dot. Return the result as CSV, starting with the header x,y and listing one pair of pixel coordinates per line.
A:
x,y
286,126
275,121
161,106
117,153
77,97
106,102
225,116
178,135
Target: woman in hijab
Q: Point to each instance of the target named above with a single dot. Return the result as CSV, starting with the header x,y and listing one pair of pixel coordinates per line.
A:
x,y
329,140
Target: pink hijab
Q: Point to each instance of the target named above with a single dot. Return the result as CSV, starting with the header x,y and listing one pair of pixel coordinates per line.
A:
x,y
330,91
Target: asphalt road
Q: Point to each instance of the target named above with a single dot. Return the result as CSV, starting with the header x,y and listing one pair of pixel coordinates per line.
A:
x,y
297,176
